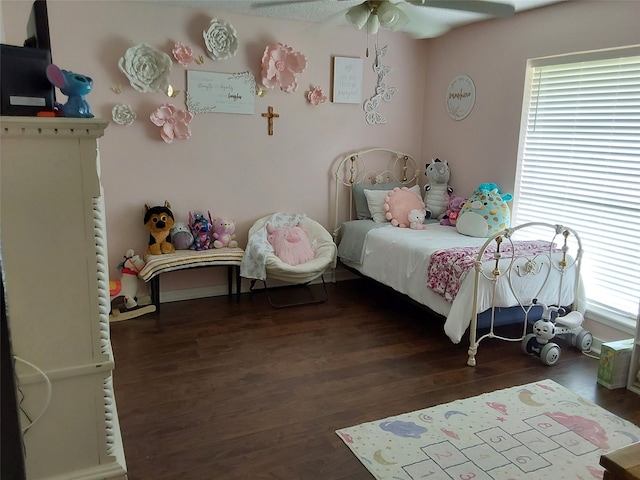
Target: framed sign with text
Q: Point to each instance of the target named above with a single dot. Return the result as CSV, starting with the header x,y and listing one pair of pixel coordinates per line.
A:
x,y
211,92
461,96
347,80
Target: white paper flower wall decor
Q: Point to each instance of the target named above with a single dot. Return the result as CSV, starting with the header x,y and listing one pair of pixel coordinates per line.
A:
x,y
123,115
280,65
220,39
146,68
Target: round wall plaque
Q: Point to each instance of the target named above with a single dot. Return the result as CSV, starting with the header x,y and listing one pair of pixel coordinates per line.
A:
x,y
461,95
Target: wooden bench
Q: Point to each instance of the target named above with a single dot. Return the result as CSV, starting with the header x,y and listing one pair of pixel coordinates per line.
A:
x,y
184,259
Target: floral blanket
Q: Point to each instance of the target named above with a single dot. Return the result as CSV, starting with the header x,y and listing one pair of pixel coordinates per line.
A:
x,y
448,268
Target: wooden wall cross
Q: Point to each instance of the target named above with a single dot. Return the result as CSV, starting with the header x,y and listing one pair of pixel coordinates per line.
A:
x,y
271,115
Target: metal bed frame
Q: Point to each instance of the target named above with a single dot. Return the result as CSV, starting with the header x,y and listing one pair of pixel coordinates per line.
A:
x,y
399,167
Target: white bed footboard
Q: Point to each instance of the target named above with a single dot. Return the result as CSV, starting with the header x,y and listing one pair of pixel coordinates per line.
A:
x,y
551,276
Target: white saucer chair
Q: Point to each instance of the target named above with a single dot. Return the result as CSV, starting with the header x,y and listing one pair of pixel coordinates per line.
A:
x,y
305,273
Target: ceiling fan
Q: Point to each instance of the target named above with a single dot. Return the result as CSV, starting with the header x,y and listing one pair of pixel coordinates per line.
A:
x,y
407,15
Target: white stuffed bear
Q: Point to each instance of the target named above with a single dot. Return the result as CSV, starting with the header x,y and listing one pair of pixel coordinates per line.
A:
x,y
416,219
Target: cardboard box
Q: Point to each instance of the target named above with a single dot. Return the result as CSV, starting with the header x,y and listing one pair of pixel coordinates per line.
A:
x,y
615,360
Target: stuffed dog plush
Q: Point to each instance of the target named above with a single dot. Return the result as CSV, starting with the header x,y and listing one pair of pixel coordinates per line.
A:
x,y
159,220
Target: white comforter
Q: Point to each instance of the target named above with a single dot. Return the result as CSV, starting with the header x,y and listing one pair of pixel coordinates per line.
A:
x,y
399,258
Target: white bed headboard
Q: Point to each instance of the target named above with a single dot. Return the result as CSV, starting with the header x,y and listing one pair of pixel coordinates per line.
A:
x,y
369,167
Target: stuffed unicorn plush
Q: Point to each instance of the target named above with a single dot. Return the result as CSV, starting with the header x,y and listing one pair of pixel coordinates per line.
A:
x,y
127,286
437,191
485,213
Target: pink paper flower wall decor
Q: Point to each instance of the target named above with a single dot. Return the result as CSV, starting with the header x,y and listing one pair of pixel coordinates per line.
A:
x,y
315,96
174,122
280,65
182,53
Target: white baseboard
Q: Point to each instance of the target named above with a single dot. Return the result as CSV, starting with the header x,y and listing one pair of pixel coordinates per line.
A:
x,y
339,275
193,293
596,345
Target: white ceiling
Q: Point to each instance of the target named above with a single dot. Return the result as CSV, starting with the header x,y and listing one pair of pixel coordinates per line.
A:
x,y
332,11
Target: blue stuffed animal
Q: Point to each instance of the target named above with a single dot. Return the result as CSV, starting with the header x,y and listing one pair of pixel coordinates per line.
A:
x,y
201,227
486,212
75,86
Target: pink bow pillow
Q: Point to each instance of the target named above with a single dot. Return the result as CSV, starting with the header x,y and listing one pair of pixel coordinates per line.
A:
x,y
291,244
399,203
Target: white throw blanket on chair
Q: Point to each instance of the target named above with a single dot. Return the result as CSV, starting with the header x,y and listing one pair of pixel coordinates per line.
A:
x,y
258,247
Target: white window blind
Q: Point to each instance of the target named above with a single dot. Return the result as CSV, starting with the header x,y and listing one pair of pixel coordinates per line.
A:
x,y
579,165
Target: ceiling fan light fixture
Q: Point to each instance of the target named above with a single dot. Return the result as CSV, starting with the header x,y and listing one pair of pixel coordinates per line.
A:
x,y
358,16
392,17
388,14
373,24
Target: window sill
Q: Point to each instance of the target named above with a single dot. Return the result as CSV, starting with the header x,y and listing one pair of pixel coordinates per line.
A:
x,y
611,320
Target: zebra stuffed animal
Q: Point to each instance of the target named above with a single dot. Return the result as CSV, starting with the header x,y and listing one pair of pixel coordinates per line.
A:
x,y
437,191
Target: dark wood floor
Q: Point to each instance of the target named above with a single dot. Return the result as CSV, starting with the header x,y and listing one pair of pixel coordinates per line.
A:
x,y
228,391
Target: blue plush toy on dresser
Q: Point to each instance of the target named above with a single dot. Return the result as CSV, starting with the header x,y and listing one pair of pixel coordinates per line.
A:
x,y
75,86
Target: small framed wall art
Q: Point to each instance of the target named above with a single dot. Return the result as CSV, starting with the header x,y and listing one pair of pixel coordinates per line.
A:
x,y
347,80
461,95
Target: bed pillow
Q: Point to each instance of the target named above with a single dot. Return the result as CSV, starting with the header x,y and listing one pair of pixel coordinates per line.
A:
x,y
399,202
376,200
362,208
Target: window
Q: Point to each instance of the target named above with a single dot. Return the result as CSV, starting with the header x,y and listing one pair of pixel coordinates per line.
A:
x,y
579,165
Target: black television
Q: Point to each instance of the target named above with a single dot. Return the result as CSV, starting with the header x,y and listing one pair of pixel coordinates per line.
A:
x,y
38,27
24,87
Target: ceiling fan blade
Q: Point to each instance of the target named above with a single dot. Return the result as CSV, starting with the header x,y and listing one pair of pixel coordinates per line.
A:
x,y
420,24
278,3
495,9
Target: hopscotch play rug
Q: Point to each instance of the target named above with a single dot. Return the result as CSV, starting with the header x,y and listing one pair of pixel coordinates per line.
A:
x,y
538,431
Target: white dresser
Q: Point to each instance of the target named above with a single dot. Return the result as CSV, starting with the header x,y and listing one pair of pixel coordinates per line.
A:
x,y
54,252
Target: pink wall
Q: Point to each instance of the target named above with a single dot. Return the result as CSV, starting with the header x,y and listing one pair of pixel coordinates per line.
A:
x,y
484,146
230,165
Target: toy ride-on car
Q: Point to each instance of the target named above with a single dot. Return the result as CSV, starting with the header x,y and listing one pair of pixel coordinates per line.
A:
x,y
554,322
